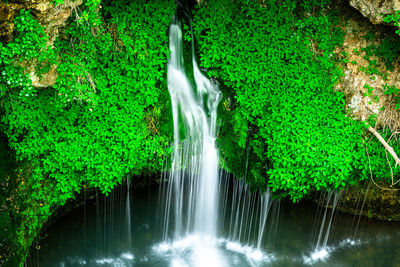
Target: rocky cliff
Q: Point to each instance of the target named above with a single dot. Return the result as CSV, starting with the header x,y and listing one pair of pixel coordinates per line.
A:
x,y
50,15
376,10
370,66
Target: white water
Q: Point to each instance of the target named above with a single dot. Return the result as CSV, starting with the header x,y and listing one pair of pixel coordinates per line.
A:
x,y
195,190
322,251
128,211
249,213
192,193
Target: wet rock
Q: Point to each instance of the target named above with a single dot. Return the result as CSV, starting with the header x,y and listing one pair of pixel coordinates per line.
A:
x,y
372,199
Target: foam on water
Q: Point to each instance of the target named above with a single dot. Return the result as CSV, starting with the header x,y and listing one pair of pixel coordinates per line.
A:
x,y
324,253
349,242
105,261
125,259
199,250
318,255
128,256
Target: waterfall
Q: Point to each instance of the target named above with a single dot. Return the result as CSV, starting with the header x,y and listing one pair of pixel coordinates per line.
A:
x,y
321,250
249,213
128,212
266,202
192,192
195,195
325,230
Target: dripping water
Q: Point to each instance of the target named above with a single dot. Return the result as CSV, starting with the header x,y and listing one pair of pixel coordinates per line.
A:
x,y
361,210
128,212
321,250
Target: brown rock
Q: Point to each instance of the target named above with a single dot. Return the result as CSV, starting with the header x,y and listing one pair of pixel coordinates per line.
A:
x,y
6,30
355,82
6,12
376,200
376,10
49,16
43,7
46,79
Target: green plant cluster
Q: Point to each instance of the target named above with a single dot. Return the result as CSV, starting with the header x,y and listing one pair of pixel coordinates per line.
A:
x,y
394,19
8,226
28,48
388,51
381,164
276,62
107,114
394,92
57,2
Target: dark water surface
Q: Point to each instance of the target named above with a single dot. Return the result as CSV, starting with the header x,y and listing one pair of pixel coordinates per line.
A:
x,y
96,235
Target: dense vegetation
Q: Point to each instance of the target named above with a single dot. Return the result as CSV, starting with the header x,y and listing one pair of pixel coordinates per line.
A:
x,y
277,62
108,114
100,120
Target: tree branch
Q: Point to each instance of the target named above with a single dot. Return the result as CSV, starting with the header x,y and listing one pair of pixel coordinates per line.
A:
x,y
385,144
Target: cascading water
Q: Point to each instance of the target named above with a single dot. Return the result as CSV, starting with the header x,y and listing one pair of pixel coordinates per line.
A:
x,y
326,229
192,194
249,213
193,181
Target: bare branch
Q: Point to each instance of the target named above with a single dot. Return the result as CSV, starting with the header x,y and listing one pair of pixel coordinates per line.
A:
x,y
372,179
392,153
385,144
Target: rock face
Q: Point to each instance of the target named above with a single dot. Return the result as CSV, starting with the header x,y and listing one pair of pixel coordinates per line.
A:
x,y
366,75
49,15
369,198
376,10
372,200
363,83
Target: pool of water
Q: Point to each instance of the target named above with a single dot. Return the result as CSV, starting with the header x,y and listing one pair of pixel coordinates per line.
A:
x,y
96,234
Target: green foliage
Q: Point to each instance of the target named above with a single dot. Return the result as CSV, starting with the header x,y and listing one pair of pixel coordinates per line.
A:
x,y
394,92
380,163
29,46
102,119
7,188
91,128
372,68
276,62
389,50
394,19
57,2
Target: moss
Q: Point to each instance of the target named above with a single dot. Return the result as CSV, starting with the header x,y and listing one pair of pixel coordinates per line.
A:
x,y
369,200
